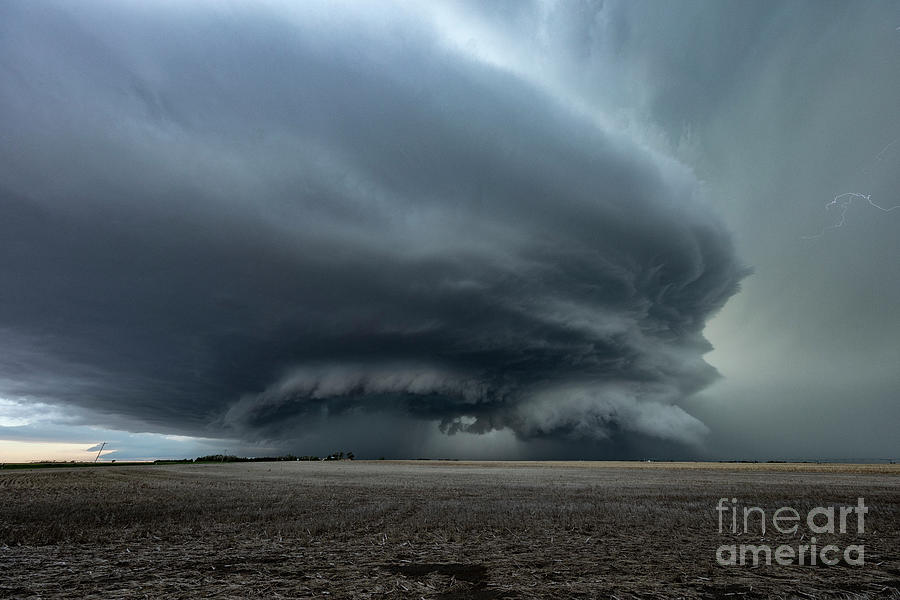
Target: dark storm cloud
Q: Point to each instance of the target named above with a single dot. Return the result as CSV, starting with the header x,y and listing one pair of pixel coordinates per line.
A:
x,y
226,219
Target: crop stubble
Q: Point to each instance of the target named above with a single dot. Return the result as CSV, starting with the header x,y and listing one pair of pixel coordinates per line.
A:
x,y
385,529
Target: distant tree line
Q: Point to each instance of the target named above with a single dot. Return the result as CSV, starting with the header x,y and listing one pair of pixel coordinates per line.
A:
x,y
287,457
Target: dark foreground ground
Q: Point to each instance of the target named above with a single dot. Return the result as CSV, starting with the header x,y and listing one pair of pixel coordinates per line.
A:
x,y
428,530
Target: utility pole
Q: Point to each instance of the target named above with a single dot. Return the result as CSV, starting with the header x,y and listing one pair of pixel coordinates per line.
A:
x,y
101,450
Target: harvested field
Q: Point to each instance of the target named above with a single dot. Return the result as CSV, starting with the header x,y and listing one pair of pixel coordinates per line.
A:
x,y
386,529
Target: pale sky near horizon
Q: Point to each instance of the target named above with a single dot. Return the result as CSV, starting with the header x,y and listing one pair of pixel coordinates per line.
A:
x,y
21,451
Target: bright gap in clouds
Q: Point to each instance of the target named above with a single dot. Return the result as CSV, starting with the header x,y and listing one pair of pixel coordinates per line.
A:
x,y
121,446
31,432
21,451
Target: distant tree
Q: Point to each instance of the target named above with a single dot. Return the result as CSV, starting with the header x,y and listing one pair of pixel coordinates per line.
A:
x,y
350,456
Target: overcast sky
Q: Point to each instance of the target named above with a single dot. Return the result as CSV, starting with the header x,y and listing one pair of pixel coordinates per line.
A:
x,y
477,230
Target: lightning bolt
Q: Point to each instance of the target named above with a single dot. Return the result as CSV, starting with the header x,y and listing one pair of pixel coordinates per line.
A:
x,y
880,157
842,202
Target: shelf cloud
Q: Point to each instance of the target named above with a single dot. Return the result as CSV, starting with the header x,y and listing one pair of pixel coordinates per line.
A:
x,y
244,221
